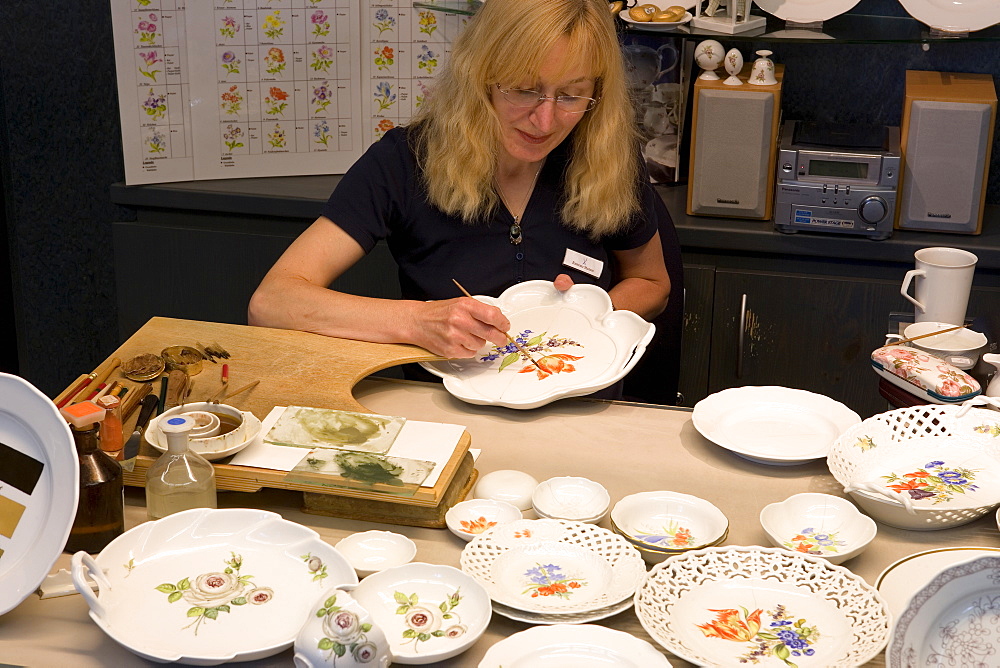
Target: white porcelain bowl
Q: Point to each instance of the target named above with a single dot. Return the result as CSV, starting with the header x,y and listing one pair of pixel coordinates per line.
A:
x,y
372,551
668,522
960,348
514,487
821,525
428,612
470,518
571,498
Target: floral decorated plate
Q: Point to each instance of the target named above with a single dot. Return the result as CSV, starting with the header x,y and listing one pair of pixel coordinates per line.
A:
x,y
207,586
556,618
900,580
669,521
580,343
772,424
428,612
727,606
952,620
39,487
556,566
564,646
468,519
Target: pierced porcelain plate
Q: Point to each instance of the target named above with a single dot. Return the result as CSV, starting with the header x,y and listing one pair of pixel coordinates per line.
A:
x,y
207,586
773,424
580,343
726,606
564,646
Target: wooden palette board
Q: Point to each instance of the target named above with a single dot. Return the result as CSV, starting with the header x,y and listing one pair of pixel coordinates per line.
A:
x,y
295,369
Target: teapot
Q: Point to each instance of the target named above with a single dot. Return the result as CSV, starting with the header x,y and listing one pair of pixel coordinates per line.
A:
x,y
644,65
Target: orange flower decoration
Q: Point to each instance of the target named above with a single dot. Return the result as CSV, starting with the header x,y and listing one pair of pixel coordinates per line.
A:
x,y
477,526
550,364
729,626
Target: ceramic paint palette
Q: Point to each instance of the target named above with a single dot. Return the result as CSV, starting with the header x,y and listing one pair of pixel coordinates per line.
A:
x,y
328,428
580,343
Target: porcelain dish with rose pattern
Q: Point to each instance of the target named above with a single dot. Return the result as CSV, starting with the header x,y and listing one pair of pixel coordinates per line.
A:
x,y
731,606
578,341
206,586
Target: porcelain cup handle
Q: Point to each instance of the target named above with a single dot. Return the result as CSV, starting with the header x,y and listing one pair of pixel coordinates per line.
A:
x,y
889,338
910,275
875,488
81,565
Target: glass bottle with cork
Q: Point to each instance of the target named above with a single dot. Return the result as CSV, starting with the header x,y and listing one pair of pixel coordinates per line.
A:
x,y
100,513
180,479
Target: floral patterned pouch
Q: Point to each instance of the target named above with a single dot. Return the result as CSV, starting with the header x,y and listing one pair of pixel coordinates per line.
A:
x,y
924,375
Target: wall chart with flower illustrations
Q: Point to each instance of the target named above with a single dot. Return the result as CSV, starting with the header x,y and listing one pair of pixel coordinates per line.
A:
x,y
248,88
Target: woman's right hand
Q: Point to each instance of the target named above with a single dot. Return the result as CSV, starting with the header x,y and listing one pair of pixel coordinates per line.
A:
x,y
458,328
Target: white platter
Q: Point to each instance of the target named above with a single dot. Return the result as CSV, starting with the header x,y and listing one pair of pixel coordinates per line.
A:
x,y
954,15
570,618
900,580
39,488
806,11
563,646
654,26
207,586
723,606
576,335
952,620
773,424
560,567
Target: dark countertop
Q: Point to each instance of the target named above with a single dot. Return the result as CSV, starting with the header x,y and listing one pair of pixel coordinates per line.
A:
x,y
302,197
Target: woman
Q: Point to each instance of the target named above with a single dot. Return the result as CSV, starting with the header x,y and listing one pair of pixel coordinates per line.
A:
x,y
522,164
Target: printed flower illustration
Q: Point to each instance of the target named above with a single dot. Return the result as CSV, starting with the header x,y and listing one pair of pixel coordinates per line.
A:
x,y
150,58
934,481
781,639
321,131
808,541
383,21
549,580
382,127
232,101
276,137
274,61
384,97
427,59
213,593
425,621
548,364
321,98
428,22
273,26
673,535
321,23
229,27
322,59
477,526
156,142
232,135
276,101
422,95
230,63
155,105
344,633
384,58
146,29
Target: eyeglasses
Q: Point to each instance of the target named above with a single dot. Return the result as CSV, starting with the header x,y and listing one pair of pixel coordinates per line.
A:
x,y
525,97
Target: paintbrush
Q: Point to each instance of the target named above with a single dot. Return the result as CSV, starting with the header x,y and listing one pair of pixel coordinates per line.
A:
x,y
510,338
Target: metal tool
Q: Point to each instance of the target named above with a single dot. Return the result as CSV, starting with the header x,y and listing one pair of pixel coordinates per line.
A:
x,y
131,450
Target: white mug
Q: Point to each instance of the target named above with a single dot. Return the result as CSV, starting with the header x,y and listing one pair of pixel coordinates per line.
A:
x,y
943,279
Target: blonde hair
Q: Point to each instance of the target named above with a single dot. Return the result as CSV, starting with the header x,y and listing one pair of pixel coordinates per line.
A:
x,y
458,132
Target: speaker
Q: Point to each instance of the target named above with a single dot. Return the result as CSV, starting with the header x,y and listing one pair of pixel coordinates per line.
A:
x,y
946,138
734,141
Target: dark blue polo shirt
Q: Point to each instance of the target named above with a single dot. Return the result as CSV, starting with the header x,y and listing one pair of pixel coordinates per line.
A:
x,y
381,197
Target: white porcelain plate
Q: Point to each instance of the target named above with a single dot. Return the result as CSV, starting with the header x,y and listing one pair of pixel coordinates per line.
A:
x,y
902,579
654,26
729,606
207,586
952,620
772,424
806,11
564,646
39,487
568,618
580,343
954,15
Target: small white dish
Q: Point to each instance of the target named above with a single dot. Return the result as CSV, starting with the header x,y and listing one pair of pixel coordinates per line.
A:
x,y
508,485
571,498
901,579
338,628
470,518
669,522
428,612
821,525
575,646
213,445
773,424
372,551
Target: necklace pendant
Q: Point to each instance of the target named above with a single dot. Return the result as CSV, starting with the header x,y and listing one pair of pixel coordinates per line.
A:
x,y
515,233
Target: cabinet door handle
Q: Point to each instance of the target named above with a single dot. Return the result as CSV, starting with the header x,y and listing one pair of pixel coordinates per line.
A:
x,y
743,329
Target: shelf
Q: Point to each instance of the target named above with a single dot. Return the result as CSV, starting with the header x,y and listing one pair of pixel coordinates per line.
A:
x,y
843,29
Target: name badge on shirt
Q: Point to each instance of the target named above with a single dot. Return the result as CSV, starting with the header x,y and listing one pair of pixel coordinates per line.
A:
x,y
584,263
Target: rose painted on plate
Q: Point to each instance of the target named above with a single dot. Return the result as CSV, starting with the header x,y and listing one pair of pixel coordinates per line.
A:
x,y
426,620
344,633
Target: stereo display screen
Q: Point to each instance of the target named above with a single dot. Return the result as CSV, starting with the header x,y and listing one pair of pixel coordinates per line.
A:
x,y
837,168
